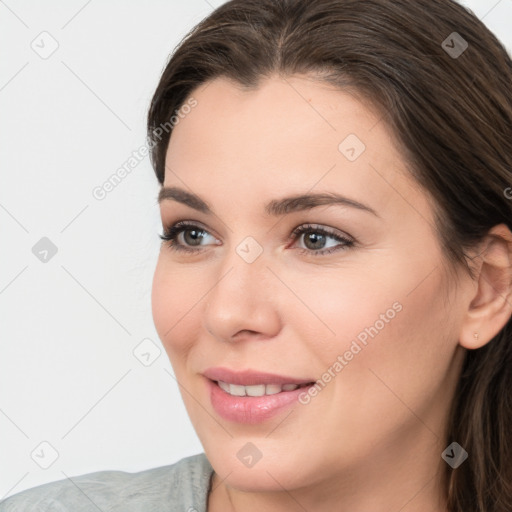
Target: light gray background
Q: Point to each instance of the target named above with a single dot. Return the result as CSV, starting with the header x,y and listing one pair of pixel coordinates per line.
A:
x,y
69,377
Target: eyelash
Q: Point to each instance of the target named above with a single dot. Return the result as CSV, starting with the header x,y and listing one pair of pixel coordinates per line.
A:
x,y
171,234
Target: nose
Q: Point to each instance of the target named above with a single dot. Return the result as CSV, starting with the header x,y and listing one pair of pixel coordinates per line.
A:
x,y
243,303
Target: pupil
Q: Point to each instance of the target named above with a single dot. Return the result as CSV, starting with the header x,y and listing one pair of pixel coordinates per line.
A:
x,y
195,238
317,240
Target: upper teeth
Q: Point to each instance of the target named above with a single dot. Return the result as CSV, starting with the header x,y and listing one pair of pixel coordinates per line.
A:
x,y
257,390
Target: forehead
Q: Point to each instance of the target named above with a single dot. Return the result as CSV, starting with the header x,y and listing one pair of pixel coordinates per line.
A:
x,y
289,134
278,113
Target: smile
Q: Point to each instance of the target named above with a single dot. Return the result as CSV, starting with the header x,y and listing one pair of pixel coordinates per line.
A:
x,y
258,389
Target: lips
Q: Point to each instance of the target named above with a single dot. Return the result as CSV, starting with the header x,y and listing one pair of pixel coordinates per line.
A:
x,y
251,396
252,377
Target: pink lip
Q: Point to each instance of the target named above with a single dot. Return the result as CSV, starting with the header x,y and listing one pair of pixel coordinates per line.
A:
x,y
250,409
251,377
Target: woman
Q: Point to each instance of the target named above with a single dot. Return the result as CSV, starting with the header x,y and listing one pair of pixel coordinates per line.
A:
x,y
333,287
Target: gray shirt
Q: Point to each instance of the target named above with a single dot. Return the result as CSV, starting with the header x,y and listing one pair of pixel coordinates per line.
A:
x,y
179,487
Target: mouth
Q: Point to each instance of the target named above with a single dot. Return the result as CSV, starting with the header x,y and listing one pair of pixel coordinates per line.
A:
x,y
258,389
251,396
253,379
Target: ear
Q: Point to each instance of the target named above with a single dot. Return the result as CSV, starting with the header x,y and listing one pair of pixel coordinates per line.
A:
x,y
491,305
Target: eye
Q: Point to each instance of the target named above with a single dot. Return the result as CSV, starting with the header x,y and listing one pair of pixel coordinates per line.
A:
x,y
186,236
316,240
183,236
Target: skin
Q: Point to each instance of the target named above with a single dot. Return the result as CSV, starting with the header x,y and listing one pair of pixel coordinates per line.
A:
x,y
372,438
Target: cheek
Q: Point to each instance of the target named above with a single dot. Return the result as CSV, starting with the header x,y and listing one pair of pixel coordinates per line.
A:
x,y
335,307
406,357
381,321
173,298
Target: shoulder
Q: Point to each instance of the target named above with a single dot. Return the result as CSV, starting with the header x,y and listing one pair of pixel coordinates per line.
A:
x,y
181,486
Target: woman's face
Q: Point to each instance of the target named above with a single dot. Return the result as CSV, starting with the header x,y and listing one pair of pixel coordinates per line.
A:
x,y
357,301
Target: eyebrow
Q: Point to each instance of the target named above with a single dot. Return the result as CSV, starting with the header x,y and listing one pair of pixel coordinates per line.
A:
x,y
275,207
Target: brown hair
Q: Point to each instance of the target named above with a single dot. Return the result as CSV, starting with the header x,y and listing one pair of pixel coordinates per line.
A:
x,y
450,111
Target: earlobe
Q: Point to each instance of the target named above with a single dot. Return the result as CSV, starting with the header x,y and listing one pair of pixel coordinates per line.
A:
x,y
490,307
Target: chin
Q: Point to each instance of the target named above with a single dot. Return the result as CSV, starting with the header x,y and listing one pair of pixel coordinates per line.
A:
x,y
271,472
262,479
